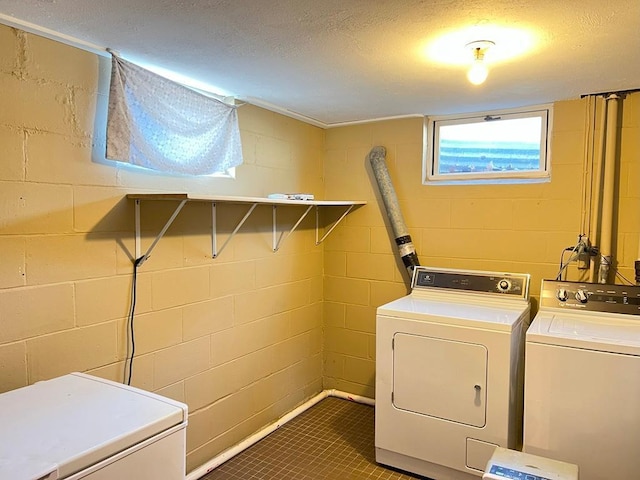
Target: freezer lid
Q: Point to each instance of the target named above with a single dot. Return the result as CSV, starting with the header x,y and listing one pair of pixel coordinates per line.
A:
x,y
72,422
27,467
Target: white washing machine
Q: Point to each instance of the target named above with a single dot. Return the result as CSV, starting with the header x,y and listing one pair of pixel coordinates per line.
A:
x,y
582,379
82,427
449,365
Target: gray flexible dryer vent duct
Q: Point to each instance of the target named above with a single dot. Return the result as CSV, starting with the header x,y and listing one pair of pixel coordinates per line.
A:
x,y
403,239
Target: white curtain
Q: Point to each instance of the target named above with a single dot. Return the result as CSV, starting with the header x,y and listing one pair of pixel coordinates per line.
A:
x,y
159,124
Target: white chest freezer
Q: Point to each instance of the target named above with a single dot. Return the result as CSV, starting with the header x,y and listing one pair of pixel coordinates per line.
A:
x,y
83,427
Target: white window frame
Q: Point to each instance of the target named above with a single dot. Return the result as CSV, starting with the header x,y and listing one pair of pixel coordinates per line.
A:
x,y
430,175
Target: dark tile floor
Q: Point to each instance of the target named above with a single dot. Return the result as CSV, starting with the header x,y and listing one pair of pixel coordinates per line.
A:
x,y
333,440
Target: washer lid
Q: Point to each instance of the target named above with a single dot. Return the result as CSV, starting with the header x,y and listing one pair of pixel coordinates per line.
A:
x,y
454,310
603,332
62,426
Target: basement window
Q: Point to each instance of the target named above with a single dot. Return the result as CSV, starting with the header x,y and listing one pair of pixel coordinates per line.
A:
x,y
164,126
508,146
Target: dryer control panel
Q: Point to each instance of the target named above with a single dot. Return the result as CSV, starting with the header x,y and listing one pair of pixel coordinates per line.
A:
x,y
592,297
490,283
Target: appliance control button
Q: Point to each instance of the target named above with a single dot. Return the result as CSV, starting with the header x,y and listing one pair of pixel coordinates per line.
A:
x,y
504,285
582,296
562,294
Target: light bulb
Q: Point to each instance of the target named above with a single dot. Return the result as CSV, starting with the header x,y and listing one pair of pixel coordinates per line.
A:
x,y
478,72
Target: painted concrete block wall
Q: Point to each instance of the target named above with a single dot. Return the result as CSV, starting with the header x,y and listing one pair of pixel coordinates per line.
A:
x,y
513,228
237,338
248,336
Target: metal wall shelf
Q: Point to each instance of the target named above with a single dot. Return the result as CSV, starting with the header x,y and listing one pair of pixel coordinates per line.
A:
x,y
252,202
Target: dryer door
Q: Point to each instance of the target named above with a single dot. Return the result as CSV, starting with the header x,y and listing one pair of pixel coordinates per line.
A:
x,y
440,378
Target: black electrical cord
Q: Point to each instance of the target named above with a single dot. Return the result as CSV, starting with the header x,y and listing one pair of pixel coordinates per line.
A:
x,y
132,310
591,251
563,267
560,269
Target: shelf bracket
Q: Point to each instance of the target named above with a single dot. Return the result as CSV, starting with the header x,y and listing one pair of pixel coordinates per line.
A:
x,y
214,241
326,234
253,202
278,241
141,259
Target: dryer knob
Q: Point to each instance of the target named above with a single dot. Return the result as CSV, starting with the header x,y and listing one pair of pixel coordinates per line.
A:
x,y
582,296
504,285
562,294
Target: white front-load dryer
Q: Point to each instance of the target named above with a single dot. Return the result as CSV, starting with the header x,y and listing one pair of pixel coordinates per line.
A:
x,y
582,379
449,366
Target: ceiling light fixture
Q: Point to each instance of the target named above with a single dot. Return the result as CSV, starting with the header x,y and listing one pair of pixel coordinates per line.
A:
x,y
478,72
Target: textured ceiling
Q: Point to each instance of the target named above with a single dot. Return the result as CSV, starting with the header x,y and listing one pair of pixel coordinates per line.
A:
x,y
337,61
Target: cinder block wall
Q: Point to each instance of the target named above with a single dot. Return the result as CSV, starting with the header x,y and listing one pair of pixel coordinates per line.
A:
x,y
513,228
237,338
240,338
